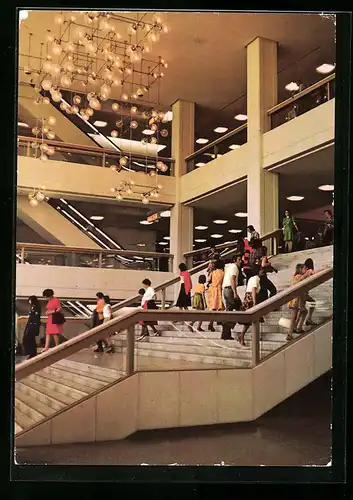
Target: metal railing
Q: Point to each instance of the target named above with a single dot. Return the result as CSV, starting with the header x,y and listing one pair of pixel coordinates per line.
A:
x,y
303,101
90,155
128,320
61,255
231,140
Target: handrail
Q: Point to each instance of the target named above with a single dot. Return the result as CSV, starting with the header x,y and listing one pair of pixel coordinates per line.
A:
x,y
103,251
130,318
230,244
216,141
88,149
300,94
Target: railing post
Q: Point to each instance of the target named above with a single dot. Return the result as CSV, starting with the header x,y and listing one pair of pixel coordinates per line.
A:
x,y
22,255
163,298
103,160
170,264
99,260
28,149
73,260
130,351
255,343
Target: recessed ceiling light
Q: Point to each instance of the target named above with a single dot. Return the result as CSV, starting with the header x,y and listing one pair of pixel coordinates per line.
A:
x,y
216,235
234,231
162,243
241,214
200,241
202,141
241,117
166,237
327,187
292,86
23,124
99,123
97,217
220,221
145,222
220,130
141,244
201,228
200,164
168,116
295,198
166,213
325,68
234,146
147,131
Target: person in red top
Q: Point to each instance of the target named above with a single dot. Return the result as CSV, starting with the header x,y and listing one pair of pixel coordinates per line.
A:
x,y
184,299
53,305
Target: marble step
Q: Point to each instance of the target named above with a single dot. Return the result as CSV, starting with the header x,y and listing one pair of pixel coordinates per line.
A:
x,y
28,410
214,336
52,378
18,428
56,400
196,358
23,420
106,373
85,377
237,351
30,404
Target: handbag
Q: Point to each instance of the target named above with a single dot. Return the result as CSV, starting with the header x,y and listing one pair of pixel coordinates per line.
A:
x,y
58,318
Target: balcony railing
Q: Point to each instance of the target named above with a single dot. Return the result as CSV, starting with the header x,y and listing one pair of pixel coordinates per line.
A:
x,y
302,102
98,157
233,139
60,255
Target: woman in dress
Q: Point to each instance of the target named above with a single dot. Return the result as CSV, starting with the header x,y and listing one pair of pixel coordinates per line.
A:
x,y
198,301
184,299
55,329
32,328
289,225
214,295
297,305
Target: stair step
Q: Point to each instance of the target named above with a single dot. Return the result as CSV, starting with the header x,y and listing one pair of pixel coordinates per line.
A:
x,y
40,407
28,410
106,374
18,428
50,377
23,420
216,360
56,400
84,380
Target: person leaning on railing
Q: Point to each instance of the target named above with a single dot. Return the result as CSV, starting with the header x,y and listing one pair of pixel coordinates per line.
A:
x,y
251,298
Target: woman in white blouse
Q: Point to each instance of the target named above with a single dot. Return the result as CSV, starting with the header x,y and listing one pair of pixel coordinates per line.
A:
x,y
253,288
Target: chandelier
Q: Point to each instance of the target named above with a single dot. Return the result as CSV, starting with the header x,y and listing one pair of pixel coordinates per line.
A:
x,y
129,188
36,196
41,131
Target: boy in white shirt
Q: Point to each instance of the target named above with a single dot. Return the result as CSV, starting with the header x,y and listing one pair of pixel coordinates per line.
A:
x,y
148,302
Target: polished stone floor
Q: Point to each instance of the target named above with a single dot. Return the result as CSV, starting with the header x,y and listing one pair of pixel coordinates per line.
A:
x,y
296,432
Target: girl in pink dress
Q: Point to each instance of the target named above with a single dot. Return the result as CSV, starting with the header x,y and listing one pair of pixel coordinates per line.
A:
x,y
53,305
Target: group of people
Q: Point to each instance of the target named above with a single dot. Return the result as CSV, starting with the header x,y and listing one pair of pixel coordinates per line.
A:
x,y
217,290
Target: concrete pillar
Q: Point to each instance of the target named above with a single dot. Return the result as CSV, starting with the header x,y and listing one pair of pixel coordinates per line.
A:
x,y
262,186
181,220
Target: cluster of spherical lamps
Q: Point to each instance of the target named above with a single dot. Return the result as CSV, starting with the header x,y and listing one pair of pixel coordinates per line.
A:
x,y
127,187
41,131
36,196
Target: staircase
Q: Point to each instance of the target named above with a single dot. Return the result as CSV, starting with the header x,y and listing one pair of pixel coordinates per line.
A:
x,y
55,388
178,343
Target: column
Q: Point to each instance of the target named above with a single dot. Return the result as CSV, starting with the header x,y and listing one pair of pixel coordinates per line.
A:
x,y
181,220
262,186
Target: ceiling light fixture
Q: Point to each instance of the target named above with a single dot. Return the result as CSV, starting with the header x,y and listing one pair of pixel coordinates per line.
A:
x,y
200,240
234,146
162,243
202,141
327,187
166,238
100,124
23,124
201,228
148,131
220,221
216,235
97,217
241,118
168,116
295,198
166,213
200,164
292,87
145,222
325,68
221,130
234,231
241,214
